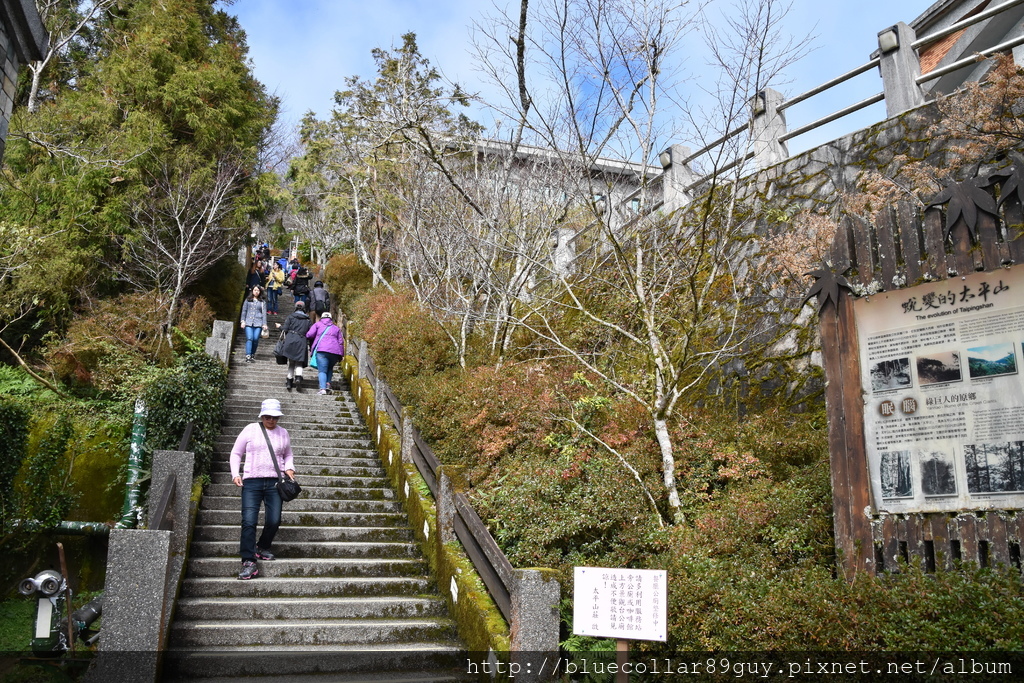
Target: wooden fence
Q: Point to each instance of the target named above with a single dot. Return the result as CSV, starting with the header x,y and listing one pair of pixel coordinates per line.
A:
x,y
495,570
907,246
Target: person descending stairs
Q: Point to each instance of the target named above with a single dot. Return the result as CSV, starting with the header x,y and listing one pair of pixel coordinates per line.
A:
x,y
348,592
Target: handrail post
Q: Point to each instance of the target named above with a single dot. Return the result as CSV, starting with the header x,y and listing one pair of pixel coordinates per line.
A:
x,y
768,126
449,481
408,442
900,67
363,357
676,177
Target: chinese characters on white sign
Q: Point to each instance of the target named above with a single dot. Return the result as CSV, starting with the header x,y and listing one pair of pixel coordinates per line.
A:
x,y
943,393
620,603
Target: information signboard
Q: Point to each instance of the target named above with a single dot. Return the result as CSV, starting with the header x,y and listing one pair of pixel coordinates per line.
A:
x,y
629,604
943,388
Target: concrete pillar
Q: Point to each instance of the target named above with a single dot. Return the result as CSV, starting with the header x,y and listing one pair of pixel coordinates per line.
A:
x,y
768,125
535,619
900,69
134,598
675,178
181,465
218,344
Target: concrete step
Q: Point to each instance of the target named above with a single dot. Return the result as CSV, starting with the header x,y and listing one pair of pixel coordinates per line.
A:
x,y
398,607
311,632
311,567
225,442
313,475
339,426
301,504
353,492
349,597
303,587
303,534
408,662
290,517
319,480
284,547
311,463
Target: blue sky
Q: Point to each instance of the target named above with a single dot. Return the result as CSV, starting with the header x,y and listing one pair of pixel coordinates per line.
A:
x,y
303,49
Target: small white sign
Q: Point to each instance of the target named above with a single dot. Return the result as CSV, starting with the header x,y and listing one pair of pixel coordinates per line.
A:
x,y
620,603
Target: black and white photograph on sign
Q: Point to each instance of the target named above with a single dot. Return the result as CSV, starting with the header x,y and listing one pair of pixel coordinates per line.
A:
x,y
991,361
938,473
995,467
890,374
896,479
940,367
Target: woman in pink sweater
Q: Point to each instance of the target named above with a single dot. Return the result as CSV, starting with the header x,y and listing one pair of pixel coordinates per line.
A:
x,y
253,470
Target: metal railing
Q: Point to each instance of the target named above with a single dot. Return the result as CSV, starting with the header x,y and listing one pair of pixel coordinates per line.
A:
x,y
873,99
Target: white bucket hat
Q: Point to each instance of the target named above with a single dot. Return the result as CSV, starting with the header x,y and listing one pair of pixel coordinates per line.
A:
x,y
271,407
326,315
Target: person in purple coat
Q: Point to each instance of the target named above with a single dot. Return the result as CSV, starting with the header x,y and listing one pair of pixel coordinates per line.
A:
x,y
329,348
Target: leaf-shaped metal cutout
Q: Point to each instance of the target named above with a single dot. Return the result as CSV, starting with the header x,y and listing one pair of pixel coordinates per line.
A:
x,y
1012,179
826,286
965,200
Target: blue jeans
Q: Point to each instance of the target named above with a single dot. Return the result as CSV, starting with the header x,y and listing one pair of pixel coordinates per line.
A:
x,y
304,298
272,295
254,492
252,339
325,363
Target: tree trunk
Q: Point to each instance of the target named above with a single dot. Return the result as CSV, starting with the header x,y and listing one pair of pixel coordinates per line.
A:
x,y
668,469
33,94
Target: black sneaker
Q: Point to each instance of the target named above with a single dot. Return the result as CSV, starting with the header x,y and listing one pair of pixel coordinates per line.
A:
x,y
288,384
262,554
249,571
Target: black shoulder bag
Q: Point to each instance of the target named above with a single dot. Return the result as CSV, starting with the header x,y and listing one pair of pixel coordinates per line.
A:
x,y
287,488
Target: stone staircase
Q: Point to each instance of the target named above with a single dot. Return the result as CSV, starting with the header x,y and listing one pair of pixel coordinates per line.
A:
x,y
349,595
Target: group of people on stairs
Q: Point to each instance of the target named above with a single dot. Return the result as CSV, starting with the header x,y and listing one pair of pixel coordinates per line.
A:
x,y
303,342
262,453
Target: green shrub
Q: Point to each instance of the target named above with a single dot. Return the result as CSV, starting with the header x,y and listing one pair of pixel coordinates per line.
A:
x,y
406,344
193,391
14,427
346,279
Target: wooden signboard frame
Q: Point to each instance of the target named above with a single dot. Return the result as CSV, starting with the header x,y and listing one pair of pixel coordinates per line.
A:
x,y
905,247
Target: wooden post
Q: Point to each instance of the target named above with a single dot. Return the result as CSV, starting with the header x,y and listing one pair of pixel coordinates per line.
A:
x,y
621,658
848,456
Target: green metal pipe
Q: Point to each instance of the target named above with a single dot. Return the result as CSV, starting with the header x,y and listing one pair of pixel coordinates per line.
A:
x,y
66,527
131,510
